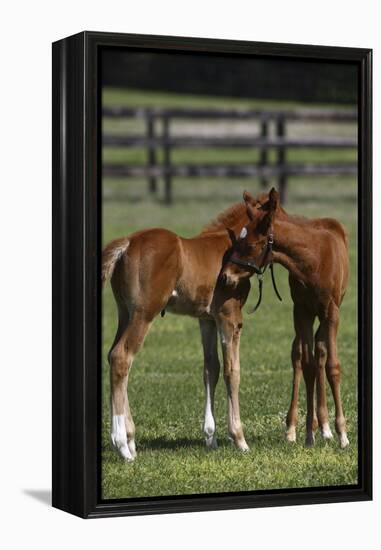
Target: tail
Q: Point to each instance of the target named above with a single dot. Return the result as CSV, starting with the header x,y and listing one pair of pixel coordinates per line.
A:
x,y
111,255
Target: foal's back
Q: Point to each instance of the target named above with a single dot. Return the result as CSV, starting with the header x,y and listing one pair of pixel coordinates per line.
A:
x,y
154,270
328,241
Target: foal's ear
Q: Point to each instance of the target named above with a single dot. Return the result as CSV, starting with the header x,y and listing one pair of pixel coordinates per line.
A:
x,y
248,198
250,212
271,207
273,199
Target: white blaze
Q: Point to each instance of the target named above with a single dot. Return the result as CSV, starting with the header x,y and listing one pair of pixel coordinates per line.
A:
x,y
243,233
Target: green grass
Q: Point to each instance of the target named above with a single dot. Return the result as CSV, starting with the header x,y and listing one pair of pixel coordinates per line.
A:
x,y
143,98
119,155
166,389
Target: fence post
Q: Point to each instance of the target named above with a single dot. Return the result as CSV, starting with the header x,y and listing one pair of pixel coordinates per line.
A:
x,y
167,162
281,161
152,182
263,156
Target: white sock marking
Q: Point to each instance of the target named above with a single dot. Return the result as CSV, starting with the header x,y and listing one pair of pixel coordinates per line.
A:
x,y
344,441
132,447
326,431
291,434
119,436
209,423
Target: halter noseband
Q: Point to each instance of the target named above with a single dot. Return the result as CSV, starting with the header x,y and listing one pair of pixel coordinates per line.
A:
x,y
260,271
267,249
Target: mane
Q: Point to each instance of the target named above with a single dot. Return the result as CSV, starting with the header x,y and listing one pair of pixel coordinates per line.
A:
x,y
226,219
294,218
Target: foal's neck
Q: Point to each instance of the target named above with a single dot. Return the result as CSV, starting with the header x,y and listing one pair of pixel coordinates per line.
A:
x,y
290,247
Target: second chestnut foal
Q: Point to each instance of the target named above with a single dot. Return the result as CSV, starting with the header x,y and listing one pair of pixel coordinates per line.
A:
x,y
315,253
155,270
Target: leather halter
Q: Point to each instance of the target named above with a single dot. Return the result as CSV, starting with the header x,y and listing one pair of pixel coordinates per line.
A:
x,y
260,271
252,263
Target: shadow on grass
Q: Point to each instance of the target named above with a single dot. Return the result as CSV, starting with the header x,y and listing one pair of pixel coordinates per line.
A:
x,y
159,443
150,446
165,443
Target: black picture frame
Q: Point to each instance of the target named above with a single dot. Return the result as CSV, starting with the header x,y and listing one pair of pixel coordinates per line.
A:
x,y
76,284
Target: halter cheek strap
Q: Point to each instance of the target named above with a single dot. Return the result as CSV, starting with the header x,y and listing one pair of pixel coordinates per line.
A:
x,y
260,271
252,263
274,283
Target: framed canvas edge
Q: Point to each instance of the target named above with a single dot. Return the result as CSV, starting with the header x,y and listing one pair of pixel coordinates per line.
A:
x,y
76,245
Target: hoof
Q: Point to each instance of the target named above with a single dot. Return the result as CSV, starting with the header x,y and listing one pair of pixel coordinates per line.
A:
x,y
122,448
211,442
326,432
125,453
243,446
310,441
291,434
344,441
132,448
129,460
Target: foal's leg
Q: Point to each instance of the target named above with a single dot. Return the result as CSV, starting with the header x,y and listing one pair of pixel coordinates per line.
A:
x,y
292,415
302,362
304,329
121,357
230,330
333,371
130,425
321,360
211,374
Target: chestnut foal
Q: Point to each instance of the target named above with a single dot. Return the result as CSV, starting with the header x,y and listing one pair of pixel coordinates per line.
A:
x,y
154,271
315,252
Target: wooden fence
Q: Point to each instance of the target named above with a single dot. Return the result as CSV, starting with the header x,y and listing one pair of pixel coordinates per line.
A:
x,y
159,137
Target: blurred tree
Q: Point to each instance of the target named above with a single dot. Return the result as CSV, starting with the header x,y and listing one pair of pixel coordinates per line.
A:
x,y
224,75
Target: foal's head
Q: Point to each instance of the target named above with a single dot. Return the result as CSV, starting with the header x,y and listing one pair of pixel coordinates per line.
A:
x,y
249,253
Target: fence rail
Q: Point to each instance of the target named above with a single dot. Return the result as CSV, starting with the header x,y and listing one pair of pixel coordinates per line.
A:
x,y
217,141
226,170
346,115
153,141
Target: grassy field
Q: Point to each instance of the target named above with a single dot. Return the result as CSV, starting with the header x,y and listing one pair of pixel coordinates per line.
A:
x,y
166,388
